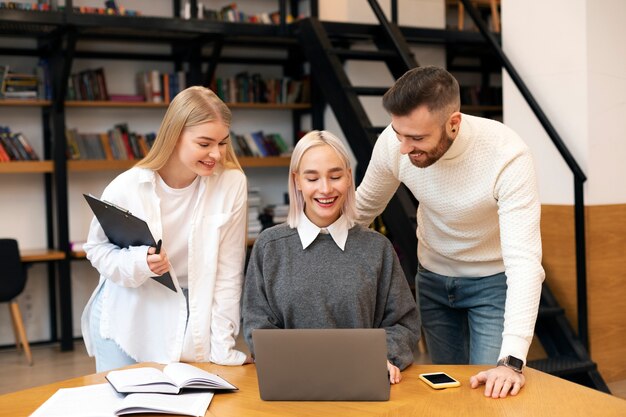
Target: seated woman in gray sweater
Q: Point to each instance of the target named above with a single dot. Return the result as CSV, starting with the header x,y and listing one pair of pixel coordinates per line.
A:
x,y
320,269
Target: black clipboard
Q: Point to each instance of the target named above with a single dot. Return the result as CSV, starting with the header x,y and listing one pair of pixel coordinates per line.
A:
x,y
124,230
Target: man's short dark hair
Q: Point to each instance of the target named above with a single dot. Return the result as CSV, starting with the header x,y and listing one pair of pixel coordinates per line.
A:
x,y
430,86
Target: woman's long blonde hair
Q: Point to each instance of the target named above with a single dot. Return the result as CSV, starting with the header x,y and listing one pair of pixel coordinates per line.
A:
x,y
191,107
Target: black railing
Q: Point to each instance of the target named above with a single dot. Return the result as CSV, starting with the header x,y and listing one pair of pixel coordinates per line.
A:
x,y
579,176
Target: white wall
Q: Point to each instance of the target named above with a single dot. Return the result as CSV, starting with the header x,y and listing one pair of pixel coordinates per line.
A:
x,y
572,60
606,38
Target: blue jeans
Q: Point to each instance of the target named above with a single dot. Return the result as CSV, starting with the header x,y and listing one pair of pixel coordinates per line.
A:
x,y
463,318
108,353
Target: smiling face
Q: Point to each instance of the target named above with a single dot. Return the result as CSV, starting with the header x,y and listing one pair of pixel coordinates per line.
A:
x,y
198,151
324,180
422,135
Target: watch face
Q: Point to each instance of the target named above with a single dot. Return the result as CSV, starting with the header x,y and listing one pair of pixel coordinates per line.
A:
x,y
515,362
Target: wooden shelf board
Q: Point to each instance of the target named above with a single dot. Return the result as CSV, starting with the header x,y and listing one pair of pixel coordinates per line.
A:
x,y
123,104
100,165
24,167
266,162
143,104
270,106
108,165
24,102
41,255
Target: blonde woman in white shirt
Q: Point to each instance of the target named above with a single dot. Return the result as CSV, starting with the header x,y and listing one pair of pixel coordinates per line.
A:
x,y
191,191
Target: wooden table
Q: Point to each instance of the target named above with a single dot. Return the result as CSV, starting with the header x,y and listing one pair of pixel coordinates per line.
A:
x,y
544,395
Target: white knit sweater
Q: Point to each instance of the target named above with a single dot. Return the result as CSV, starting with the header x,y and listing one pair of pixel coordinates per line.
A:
x,y
478,214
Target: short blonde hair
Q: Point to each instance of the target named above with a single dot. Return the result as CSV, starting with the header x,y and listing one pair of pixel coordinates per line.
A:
x,y
296,200
191,107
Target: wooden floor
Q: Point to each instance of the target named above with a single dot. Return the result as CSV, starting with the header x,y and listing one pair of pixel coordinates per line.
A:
x,y
50,365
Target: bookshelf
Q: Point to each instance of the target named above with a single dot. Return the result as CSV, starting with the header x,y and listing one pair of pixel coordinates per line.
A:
x,y
66,38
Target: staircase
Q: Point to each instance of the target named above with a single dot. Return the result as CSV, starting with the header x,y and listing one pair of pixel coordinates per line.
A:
x,y
567,357
327,48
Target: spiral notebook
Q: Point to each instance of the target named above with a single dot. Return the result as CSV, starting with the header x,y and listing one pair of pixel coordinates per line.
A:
x,y
124,230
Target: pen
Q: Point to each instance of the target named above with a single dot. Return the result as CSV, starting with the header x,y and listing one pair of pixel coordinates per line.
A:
x,y
158,247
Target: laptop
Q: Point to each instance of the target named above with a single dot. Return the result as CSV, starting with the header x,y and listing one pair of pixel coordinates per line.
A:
x,y
321,364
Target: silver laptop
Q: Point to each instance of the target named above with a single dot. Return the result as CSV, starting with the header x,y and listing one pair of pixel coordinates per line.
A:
x,y
321,364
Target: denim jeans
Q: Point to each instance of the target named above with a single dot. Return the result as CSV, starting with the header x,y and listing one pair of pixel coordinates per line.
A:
x,y
108,353
463,318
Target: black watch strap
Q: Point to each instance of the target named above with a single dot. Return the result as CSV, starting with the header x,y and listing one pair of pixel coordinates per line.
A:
x,y
512,362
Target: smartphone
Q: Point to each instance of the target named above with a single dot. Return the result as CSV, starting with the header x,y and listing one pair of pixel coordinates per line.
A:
x,y
439,380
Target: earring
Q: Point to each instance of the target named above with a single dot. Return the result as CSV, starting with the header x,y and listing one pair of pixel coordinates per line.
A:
x,y
453,130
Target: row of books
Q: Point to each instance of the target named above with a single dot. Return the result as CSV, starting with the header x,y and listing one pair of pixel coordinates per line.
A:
x,y
157,87
254,210
252,88
89,84
110,8
231,13
26,85
117,144
260,144
15,147
40,5
52,5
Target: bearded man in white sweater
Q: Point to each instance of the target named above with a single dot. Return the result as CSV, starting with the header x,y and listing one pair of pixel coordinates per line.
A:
x,y
479,245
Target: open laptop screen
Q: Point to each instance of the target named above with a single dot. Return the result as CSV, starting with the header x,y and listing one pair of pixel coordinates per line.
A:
x,y
321,364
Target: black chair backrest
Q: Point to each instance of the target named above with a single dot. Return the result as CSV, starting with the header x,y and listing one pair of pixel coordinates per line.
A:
x,y
12,274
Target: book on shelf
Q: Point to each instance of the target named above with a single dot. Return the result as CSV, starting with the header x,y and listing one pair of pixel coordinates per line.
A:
x,y
40,5
119,143
21,85
157,87
259,144
175,377
101,400
252,88
87,85
254,210
15,147
17,85
127,98
231,13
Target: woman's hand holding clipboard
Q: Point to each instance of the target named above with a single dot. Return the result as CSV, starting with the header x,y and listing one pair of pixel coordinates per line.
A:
x,y
125,230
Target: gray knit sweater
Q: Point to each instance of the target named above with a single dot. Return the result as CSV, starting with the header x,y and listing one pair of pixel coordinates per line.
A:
x,y
324,287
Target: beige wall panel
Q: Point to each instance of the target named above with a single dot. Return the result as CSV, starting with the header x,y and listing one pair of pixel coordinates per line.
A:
x,y
606,277
559,255
606,266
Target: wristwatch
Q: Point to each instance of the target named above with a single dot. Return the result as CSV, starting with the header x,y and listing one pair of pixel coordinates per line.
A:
x,y
512,362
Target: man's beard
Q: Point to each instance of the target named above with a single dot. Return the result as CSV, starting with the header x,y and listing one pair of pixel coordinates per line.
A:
x,y
435,154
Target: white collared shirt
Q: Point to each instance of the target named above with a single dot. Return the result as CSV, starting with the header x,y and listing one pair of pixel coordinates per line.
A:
x,y
308,231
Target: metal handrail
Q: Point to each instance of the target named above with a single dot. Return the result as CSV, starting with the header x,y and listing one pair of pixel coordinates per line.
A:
x,y
579,176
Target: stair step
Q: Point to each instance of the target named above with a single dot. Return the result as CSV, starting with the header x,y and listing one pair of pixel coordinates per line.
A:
x,y
561,366
545,312
370,91
376,55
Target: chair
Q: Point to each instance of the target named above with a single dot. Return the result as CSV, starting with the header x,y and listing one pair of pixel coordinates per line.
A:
x,y
12,283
